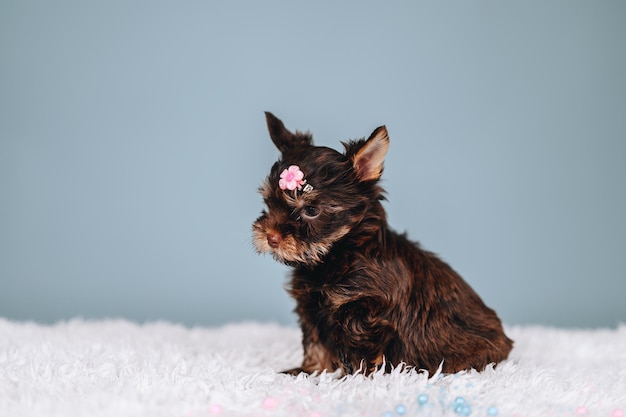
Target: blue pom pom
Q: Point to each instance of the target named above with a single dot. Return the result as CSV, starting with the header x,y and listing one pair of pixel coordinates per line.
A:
x,y
400,410
422,399
492,411
461,407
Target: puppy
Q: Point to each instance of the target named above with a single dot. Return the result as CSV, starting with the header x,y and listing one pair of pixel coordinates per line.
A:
x,y
366,296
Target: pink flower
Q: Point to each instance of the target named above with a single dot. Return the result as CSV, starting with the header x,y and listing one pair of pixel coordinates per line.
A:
x,y
291,178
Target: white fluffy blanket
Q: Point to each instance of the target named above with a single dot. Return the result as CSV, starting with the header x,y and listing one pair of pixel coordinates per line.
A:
x,y
118,368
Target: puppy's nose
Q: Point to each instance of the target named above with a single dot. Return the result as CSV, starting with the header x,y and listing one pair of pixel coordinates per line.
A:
x,y
273,239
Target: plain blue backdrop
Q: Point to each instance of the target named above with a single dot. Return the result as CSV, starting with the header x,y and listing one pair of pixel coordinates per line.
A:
x,y
133,140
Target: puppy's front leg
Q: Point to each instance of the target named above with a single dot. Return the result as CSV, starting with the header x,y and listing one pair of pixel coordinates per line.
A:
x,y
367,334
316,356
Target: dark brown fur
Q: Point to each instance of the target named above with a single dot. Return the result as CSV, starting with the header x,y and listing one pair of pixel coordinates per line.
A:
x,y
366,296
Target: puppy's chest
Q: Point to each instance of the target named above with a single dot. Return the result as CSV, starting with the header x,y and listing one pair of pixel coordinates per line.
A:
x,y
318,307
321,296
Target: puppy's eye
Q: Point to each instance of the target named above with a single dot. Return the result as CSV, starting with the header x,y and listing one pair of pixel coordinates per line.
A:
x,y
311,212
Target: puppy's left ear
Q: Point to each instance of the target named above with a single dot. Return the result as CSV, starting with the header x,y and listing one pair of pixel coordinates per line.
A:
x,y
283,138
368,156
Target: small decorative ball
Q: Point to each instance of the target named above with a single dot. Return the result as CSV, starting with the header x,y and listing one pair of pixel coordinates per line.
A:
x,y
459,400
617,413
387,414
215,409
582,410
422,399
492,411
400,409
270,403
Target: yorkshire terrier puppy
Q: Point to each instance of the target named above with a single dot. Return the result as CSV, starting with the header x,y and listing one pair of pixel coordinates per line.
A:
x,y
367,297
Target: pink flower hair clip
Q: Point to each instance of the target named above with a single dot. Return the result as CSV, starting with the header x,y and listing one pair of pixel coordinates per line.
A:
x,y
292,179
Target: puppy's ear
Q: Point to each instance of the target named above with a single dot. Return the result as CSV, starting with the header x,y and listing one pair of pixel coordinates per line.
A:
x,y
368,155
283,138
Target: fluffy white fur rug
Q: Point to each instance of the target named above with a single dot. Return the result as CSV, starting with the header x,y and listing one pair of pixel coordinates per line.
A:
x,y
119,369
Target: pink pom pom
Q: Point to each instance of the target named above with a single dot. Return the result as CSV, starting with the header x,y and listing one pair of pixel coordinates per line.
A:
x,y
270,403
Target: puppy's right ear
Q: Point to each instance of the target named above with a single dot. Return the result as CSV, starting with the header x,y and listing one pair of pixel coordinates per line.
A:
x,y
283,138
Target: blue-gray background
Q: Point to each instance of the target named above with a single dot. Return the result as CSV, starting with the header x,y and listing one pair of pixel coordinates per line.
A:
x,y
132,143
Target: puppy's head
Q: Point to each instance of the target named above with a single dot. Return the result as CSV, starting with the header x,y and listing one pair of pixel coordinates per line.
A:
x,y
315,196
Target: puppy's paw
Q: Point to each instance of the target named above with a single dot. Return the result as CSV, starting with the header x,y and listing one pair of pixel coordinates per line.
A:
x,y
293,372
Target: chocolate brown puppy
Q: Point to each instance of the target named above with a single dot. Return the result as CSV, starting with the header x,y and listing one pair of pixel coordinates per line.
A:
x,y
366,296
